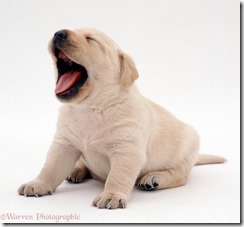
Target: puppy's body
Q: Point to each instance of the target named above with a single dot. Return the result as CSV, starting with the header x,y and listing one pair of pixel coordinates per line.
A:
x,y
106,127
93,129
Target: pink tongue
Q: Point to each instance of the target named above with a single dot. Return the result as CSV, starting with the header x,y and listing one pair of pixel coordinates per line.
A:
x,y
66,81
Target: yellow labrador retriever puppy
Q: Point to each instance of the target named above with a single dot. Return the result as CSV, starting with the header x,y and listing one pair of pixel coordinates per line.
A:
x,y
108,129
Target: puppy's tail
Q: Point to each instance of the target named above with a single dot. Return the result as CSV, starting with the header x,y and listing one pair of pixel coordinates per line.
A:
x,y
209,159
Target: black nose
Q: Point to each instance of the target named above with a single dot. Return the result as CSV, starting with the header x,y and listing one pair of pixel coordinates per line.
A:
x,y
60,36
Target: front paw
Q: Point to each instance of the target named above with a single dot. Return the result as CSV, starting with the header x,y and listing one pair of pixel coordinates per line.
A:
x,y
110,201
35,188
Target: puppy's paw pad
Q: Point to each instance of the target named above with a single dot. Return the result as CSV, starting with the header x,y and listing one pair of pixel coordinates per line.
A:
x,y
110,201
76,176
149,182
35,188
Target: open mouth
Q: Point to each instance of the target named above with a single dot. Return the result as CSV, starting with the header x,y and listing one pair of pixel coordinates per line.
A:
x,y
71,76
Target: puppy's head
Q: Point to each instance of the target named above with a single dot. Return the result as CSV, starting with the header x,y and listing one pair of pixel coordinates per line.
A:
x,y
88,61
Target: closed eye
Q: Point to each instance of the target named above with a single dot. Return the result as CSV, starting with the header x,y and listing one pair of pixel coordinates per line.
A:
x,y
89,38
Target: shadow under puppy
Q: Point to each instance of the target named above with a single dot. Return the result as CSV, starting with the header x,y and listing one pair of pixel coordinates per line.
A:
x,y
108,129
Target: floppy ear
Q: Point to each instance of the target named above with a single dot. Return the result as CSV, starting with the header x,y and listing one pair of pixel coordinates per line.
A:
x,y
128,71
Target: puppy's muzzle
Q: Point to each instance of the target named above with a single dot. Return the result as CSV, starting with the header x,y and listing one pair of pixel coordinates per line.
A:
x,y
71,75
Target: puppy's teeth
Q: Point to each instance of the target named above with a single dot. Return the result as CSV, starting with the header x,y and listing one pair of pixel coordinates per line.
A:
x,y
37,196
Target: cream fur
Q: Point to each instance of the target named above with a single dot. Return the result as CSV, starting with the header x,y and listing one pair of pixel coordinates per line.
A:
x,y
112,131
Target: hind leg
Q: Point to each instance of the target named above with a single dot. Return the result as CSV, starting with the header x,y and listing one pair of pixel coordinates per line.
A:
x,y
164,179
79,173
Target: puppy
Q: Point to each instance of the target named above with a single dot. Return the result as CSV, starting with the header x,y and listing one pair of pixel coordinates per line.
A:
x,y
107,129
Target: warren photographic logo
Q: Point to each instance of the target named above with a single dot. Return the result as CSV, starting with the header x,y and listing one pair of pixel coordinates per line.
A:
x,y
39,218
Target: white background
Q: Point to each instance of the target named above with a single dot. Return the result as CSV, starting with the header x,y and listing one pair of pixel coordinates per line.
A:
x,y
187,53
